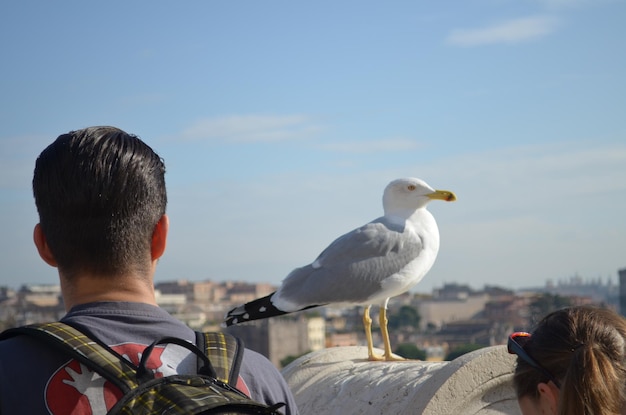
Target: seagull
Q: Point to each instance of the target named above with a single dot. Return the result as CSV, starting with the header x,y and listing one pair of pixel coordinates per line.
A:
x,y
366,266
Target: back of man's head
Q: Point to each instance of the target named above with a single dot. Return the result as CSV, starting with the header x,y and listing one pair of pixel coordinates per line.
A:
x,y
100,193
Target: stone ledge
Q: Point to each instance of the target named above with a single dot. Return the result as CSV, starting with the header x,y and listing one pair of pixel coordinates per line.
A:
x,y
342,381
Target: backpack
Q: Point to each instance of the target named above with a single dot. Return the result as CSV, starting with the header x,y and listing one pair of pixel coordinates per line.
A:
x,y
210,391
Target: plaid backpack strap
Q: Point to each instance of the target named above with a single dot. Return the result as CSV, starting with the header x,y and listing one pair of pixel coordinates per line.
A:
x,y
225,353
77,345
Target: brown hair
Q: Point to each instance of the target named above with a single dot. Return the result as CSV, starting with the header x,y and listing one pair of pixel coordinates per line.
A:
x,y
584,347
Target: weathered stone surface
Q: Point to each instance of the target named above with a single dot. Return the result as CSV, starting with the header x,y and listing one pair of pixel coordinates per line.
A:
x,y
341,381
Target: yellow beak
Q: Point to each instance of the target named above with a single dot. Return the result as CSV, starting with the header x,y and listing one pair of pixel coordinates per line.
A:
x,y
443,195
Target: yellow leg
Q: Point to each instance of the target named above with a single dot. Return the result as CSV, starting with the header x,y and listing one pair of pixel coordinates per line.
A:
x,y
367,323
382,318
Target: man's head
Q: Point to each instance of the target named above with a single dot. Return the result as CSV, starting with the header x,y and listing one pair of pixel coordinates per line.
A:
x,y
99,192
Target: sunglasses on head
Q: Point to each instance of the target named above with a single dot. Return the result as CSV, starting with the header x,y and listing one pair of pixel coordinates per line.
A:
x,y
515,346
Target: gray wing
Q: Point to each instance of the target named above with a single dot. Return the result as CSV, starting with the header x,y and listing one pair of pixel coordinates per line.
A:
x,y
352,267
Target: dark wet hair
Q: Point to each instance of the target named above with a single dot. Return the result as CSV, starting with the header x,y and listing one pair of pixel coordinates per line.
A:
x,y
100,193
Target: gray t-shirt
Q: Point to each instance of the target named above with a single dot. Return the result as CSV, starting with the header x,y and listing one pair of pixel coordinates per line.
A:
x,y
36,380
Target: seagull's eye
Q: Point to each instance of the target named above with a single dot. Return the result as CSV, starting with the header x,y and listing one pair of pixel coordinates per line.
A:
x,y
411,187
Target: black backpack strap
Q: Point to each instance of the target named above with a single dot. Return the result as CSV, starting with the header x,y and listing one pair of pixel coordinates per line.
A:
x,y
225,353
77,345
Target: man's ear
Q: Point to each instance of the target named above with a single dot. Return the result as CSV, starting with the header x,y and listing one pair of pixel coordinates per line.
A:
x,y
42,246
159,237
549,396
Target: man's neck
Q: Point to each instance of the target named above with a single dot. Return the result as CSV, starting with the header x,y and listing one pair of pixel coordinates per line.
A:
x,y
88,289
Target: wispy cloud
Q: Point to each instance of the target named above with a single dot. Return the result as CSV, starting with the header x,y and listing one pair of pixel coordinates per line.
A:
x,y
509,32
251,128
372,146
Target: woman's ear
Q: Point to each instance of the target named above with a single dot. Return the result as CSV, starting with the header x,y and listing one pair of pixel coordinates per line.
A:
x,y
548,397
42,246
159,237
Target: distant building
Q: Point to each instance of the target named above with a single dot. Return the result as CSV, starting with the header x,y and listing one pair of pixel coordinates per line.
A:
x,y
6,293
622,291
598,290
181,286
243,292
280,337
170,301
209,292
512,309
343,339
316,333
41,295
451,303
215,293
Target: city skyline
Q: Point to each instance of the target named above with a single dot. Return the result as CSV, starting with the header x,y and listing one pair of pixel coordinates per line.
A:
x,y
572,281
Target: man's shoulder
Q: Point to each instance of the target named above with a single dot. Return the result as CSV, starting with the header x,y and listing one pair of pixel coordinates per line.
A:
x,y
256,365
252,358
265,381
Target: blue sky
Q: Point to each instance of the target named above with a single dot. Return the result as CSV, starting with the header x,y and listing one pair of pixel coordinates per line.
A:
x,y
281,122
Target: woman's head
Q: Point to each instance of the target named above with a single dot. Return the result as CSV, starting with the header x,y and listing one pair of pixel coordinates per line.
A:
x,y
583,349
